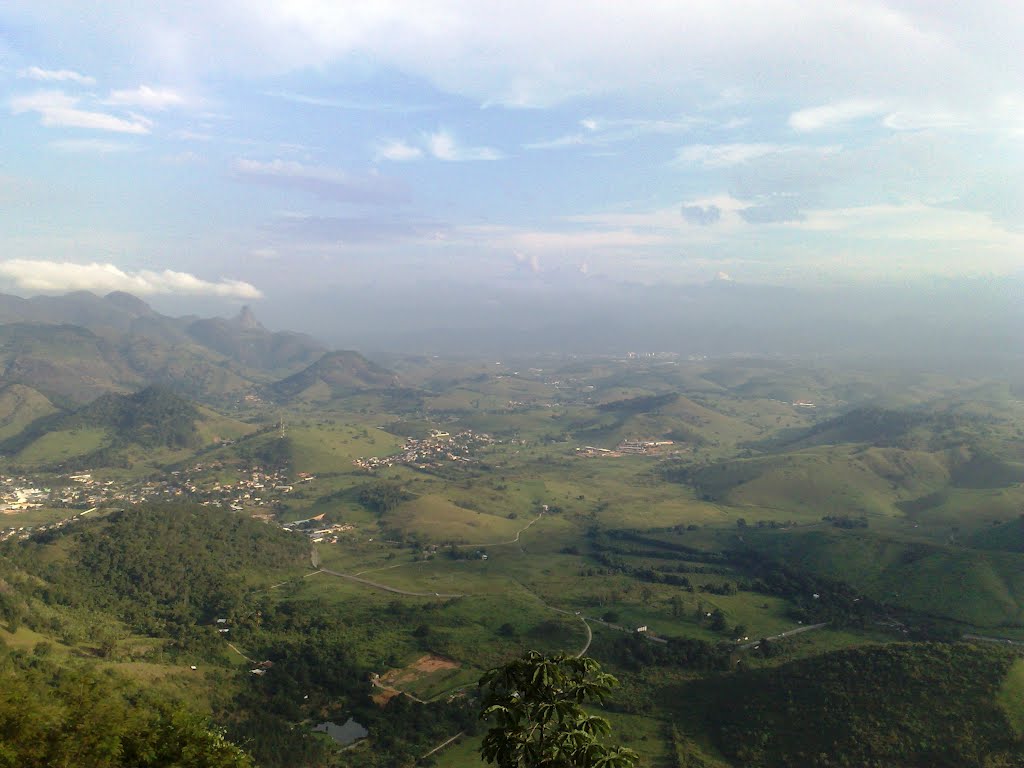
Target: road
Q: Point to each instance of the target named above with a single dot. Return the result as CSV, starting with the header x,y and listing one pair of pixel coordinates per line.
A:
x,y
781,635
986,639
510,541
386,588
441,746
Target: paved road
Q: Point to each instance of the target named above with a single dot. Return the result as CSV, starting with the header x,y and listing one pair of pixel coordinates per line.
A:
x,y
441,746
386,588
787,633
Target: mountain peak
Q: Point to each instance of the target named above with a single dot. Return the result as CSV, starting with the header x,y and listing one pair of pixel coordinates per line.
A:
x,y
129,303
247,319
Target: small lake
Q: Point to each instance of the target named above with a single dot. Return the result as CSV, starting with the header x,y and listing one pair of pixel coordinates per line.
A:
x,y
345,734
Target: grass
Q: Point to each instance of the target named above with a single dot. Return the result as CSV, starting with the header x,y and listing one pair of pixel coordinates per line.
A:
x,y
19,407
983,589
1011,697
438,519
331,447
34,517
55,447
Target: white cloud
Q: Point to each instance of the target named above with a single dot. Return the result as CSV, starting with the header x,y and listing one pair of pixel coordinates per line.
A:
x,y
55,276
444,146
324,181
397,151
834,115
57,109
145,97
725,155
56,76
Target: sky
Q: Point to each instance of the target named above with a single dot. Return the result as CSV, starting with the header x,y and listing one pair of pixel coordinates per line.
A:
x,y
239,152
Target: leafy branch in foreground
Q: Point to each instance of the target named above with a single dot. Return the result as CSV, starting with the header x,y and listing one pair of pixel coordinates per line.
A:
x,y
535,705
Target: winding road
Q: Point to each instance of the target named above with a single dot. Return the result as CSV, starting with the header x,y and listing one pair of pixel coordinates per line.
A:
x,y
386,588
787,633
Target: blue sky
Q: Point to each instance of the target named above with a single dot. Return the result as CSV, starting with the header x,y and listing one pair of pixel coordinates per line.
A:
x,y
239,150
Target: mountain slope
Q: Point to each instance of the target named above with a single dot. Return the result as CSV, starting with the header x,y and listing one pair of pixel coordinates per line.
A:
x,y
336,374
898,705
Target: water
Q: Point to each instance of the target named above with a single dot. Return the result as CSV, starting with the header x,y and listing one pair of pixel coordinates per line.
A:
x,y
345,734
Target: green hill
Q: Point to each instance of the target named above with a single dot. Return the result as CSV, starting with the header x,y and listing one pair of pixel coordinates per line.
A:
x,y
924,705
336,374
1008,536
146,422
975,587
19,407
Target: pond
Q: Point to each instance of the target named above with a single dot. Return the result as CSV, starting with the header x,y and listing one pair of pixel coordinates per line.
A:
x,y
345,734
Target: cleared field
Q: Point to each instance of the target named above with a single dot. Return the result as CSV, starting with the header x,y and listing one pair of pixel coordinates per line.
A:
x,y
440,520
1011,697
332,447
19,407
59,446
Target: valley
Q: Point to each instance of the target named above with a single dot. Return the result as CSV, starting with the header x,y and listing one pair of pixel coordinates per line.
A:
x,y
345,539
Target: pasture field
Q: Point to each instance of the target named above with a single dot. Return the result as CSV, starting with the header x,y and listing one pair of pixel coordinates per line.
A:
x,y
55,447
331,447
1011,697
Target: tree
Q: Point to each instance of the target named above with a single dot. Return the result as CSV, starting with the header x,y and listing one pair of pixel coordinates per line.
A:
x,y
535,705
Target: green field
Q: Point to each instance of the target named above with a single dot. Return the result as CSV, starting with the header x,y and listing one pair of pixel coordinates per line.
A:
x,y
730,533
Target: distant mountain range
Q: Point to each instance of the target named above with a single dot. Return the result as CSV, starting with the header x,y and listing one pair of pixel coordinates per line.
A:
x,y
74,348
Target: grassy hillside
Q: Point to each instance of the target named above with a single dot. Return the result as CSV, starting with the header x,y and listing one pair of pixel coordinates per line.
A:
x,y
1008,536
897,705
149,426
334,375
19,407
978,588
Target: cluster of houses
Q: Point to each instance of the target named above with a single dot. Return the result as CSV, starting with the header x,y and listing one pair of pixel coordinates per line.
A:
x,y
17,493
633,447
317,530
255,488
431,451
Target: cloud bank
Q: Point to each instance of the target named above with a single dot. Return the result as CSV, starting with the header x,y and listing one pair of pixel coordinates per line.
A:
x,y
60,277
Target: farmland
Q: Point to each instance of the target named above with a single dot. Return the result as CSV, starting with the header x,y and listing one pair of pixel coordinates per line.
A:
x,y
491,512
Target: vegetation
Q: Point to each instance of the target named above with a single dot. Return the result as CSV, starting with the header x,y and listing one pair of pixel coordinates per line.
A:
x,y
909,705
535,704
884,524
52,715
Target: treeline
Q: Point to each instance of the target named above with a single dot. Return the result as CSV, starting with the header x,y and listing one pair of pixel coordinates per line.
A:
x,y
921,705
634,652
277,453
58,715
315,676
166,570
152,418
641,404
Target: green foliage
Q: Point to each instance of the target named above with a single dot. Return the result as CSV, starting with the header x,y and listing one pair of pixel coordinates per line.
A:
x,y
276,453
535,704
642,404
908,705
163,568
59,716
382,496
151,418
